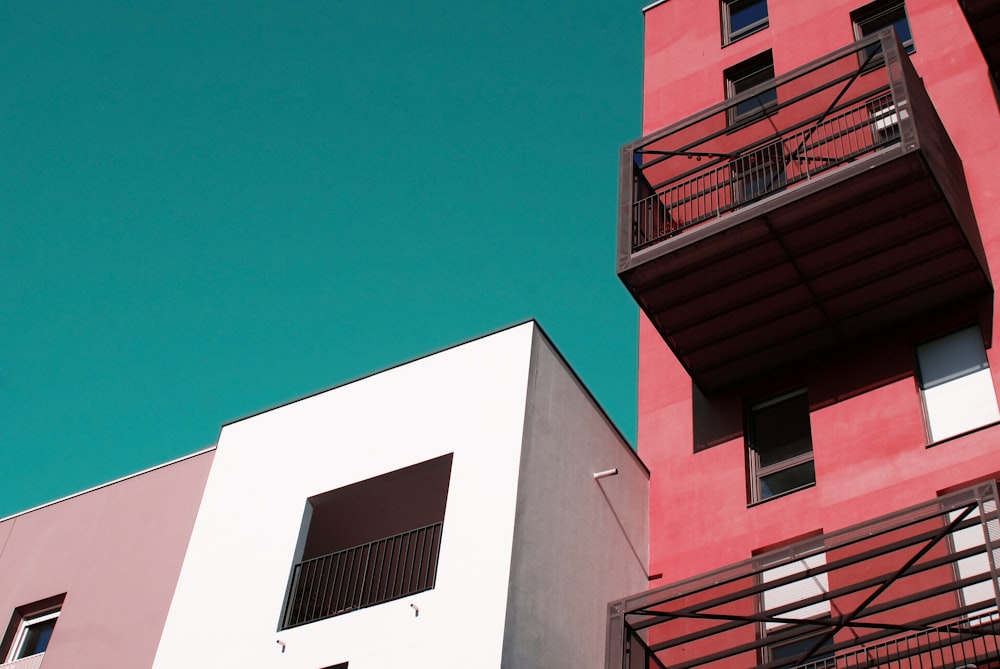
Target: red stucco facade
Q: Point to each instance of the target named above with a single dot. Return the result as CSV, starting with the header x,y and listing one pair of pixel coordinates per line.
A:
x,y
871,448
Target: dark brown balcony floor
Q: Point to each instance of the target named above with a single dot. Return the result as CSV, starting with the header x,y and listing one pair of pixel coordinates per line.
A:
x,y
855,219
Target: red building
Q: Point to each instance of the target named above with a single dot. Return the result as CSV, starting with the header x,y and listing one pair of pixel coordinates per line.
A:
x,y
810,225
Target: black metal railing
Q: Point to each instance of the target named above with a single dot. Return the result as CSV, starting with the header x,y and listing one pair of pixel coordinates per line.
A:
x,y
828,114
917,589
365,575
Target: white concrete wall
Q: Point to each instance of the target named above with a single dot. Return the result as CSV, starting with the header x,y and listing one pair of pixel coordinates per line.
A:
x,y
578,543
467,400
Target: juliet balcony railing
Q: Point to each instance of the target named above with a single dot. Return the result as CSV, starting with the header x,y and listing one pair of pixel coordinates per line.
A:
x,y
916,589
30,662
362,576
806,214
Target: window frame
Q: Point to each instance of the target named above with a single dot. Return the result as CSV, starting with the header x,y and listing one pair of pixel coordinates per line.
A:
x,y
24,625
726,13
756,472
924,386
741,72
869,19
758,173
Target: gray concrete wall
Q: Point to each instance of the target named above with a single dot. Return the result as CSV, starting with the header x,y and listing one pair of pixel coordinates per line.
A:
x,y
578,543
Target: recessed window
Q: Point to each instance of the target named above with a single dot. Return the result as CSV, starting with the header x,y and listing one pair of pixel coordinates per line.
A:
x,y
369,543
750,74
758,173
30,629
813,582
779,442
878,15
956,384
741,18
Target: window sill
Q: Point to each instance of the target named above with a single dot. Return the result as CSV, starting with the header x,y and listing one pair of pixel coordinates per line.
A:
x,y
954,437
780,495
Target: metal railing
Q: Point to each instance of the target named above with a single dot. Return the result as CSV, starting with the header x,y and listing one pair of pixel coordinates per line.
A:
x,y
828,114
30,662
916,589
362,576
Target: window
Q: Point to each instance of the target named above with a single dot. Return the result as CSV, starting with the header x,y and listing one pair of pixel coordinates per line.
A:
x,y
956,384
741,18
780,446
368,543
878,15
31,628
758,173
782,596
976,536
745,76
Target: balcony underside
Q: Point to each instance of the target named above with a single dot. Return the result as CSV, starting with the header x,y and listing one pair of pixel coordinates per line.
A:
x,y
838,211
859,251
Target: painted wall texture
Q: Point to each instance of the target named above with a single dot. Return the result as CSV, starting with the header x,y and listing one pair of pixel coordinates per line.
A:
x,y
526,527
867,420
115,552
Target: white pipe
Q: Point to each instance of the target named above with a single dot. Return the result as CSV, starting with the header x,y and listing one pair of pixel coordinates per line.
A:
x,y
606,473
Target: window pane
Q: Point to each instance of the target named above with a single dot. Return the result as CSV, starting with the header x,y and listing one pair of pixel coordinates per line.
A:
x,y
781,430
956,383
787,479
36,638
881,15
746,13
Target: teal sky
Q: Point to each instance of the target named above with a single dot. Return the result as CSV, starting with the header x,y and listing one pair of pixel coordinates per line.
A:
x,y
210,208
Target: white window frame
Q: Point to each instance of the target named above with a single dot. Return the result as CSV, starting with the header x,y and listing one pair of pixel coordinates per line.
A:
x,y
21,634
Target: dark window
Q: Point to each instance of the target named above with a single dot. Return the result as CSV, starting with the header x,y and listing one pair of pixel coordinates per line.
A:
x,y
745,76
30,629
878,15
741,18
758,173
780,446
793,650
368,543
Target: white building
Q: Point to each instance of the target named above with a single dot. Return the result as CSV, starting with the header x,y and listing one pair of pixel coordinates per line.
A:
x,y
456,504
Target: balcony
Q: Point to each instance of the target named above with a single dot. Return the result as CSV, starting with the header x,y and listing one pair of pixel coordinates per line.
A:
x,y
362,576
30,662
804,214
984,19
916,589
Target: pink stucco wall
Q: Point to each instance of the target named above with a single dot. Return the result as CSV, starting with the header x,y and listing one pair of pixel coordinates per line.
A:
x,y
116,552
870,447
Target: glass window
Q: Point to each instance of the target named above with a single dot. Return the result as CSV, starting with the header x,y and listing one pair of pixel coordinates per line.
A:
x,y
741,18
746,75
33,635
956,384
780,446
876,16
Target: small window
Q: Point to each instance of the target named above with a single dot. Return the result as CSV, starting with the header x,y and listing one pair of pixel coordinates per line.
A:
x,y
30,629
774,599
780,446
368,543
744,76
741,18
758,173
956,385
878,15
